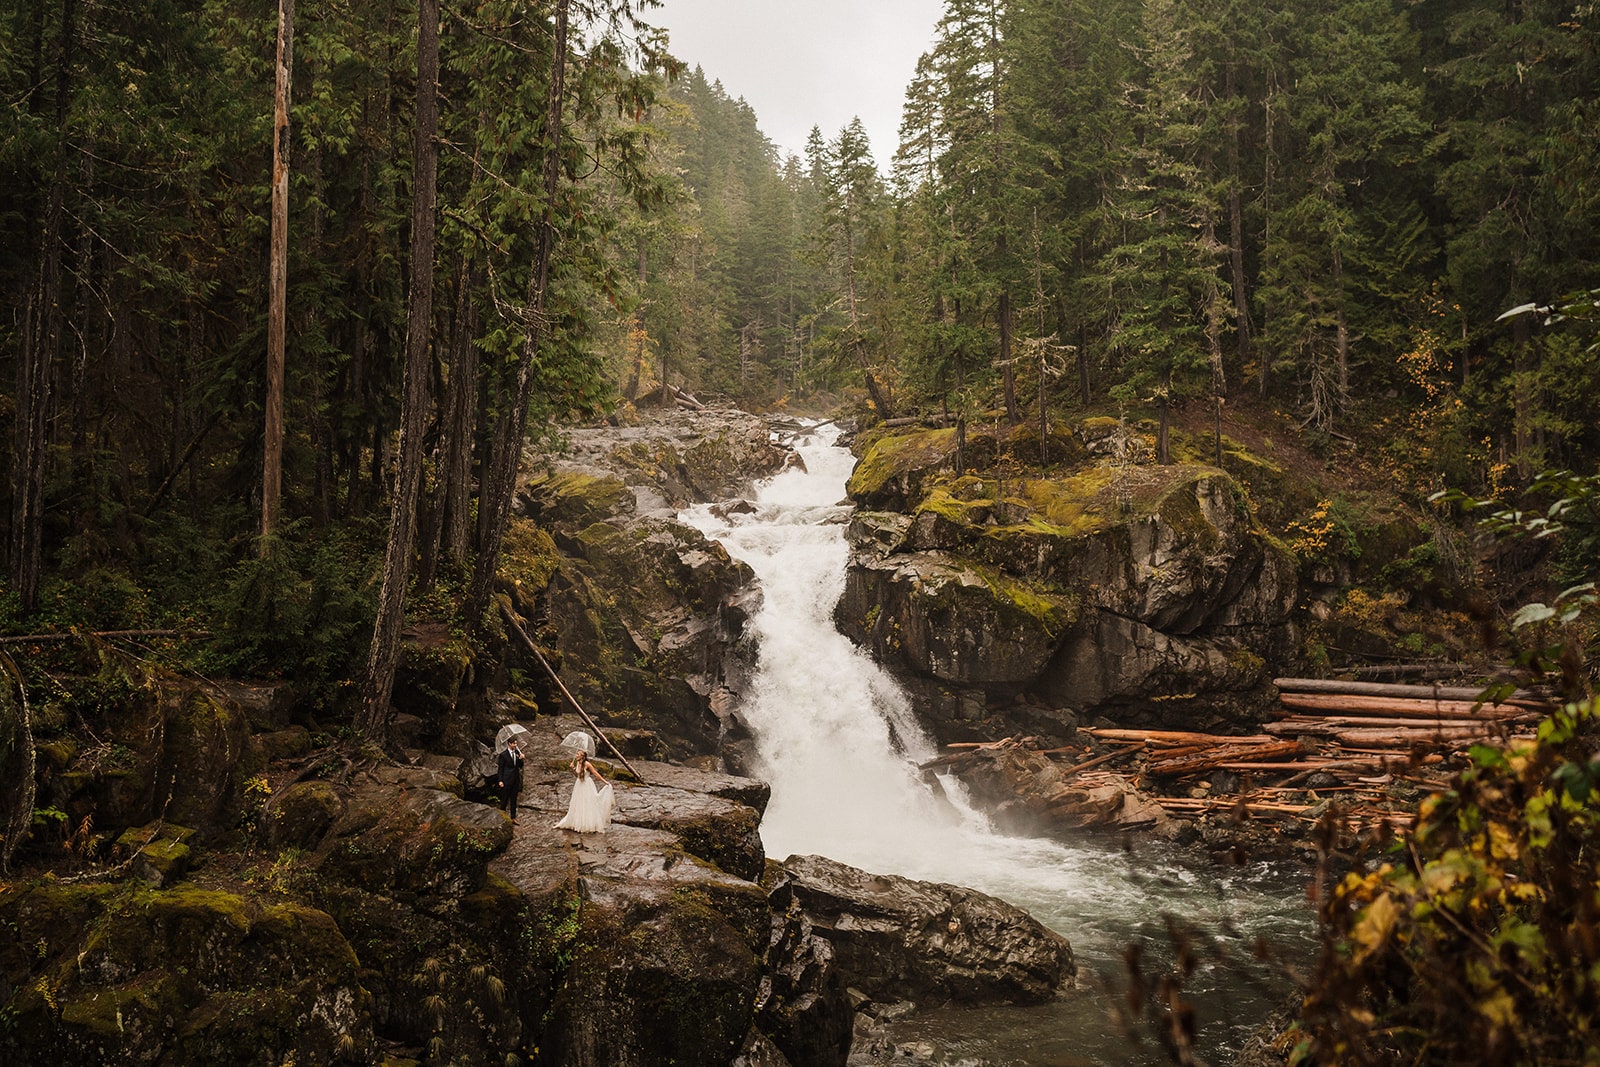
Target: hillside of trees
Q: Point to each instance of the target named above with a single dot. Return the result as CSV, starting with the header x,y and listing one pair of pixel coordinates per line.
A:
x,y
1147,209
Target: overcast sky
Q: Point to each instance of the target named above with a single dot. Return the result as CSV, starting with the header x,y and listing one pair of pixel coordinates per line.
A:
x,y
804,63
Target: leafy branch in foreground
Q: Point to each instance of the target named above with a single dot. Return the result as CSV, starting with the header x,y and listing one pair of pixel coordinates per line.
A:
x,y
1476,939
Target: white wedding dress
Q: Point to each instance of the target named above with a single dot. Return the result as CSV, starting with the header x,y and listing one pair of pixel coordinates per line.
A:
x,y
589,811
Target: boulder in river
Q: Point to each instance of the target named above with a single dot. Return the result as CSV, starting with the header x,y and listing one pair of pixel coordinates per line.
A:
x,y
898,939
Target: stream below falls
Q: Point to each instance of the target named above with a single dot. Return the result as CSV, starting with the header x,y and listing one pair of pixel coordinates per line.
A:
x,y
840,744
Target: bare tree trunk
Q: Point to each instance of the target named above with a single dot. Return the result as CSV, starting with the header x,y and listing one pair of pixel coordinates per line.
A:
x,y
1241,302
494,502
1266,237
448,526
277,280
1522,396
385,651
1008,373
41,342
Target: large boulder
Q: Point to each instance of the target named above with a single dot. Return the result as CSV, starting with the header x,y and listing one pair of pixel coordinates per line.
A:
x,y
893,938
961,623
169,748
105,974
1143,591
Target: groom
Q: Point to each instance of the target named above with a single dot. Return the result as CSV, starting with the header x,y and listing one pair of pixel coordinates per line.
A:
x,y
510,776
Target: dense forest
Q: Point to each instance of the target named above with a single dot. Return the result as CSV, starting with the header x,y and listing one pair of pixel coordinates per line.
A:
x,y
1142,207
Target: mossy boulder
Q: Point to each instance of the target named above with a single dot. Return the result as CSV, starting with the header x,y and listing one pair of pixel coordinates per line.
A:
x,y
575,497
999,583
956,622
672,458
412,840
649,616
435,663
181,975
665,965
300,816
173,748
892,471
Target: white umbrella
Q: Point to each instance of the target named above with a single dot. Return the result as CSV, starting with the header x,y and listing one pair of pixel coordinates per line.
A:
x,y
507,732
576,740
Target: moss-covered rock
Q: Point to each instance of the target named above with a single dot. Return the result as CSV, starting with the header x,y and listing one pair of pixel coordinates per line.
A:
x,y
180,975
892,471
998,582
419,840
301,815
962,624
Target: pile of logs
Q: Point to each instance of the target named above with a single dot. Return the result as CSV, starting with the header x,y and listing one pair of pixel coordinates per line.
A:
x,y
1354,738
1332,739
1375,715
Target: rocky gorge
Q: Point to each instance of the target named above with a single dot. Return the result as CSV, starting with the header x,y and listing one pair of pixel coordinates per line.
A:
x,y
233,880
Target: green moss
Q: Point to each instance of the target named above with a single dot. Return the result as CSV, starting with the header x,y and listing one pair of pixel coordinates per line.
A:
x,y
1052,610
530,556
893,457
571,496
108,1013
946,502
1180,509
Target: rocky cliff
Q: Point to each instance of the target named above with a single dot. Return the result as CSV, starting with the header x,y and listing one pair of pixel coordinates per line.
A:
x,y
1103,585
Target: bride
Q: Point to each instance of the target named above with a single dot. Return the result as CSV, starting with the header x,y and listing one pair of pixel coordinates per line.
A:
x,y
589,811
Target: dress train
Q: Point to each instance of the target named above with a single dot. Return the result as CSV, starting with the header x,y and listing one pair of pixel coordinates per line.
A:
x,y
589,811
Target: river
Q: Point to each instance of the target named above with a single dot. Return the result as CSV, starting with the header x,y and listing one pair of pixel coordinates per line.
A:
x,y
839,742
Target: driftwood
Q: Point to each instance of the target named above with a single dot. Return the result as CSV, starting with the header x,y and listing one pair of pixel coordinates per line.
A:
x,y
1157,737
683,399
1316,723
1380,732
1431,693
1078,768
1200,762
1406,707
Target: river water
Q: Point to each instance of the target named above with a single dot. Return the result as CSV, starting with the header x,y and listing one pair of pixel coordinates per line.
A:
x,y
840,744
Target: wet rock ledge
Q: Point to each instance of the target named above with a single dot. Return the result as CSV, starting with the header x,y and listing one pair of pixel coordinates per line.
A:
x,y
381,914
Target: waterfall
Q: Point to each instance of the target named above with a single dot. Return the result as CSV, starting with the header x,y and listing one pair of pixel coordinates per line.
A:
x,y
839,743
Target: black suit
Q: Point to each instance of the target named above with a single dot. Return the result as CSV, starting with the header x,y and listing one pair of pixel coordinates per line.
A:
x,y
510,778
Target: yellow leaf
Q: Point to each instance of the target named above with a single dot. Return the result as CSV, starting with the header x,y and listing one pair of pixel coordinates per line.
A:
x,y
1499,1008
1374,927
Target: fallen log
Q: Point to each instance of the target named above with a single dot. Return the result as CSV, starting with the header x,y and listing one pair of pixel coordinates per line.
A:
x,y
1404,739
1486,726
1106,733
1225,803
1175,767
1378,736
684,399
1305,765
1334,686
1067,772
1422,672
1409,707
